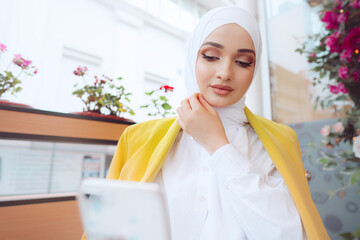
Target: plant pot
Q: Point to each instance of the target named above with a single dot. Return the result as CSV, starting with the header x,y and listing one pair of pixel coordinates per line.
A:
x,y
6,102
99,115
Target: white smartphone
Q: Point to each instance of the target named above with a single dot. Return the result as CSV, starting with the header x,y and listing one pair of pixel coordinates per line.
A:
x,y
123,210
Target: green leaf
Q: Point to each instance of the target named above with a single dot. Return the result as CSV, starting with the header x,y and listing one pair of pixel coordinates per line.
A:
x,y
166,106
163,98
346,236
330,166
340,98
355,178
323,160
329,103
149,93
348,170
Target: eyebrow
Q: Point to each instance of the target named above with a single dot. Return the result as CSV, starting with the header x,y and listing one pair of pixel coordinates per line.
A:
x,y
241,50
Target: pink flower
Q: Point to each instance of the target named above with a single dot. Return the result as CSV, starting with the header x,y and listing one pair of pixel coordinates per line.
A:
x,y
3,47
346,55
325,131
313,55
80,71
331,42
337,89
355,4
352,40
343,72
35,72
343,17
334,89
338,4
339,127
341,88
355,76
21,62
330,18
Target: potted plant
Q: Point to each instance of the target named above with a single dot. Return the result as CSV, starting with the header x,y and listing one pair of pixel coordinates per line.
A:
x,y
159,103
334,57
10,81
105,97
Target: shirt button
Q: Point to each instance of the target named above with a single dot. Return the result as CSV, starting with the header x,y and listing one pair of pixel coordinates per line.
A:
x,y
202,199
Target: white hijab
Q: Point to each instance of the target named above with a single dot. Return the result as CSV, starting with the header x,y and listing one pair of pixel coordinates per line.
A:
x,y
233,115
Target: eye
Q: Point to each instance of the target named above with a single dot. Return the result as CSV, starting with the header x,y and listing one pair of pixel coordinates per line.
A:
x,y
209,58
244,64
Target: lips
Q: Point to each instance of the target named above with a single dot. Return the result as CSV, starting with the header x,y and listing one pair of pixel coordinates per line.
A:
x,y
221,89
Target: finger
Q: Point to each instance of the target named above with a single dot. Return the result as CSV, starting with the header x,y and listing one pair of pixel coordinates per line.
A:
x,y
205,104
194,102
185,105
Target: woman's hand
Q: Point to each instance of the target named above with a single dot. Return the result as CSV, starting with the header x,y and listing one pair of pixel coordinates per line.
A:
x,y
200,120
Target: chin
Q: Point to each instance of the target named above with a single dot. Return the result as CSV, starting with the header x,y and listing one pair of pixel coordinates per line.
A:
x,y
219,103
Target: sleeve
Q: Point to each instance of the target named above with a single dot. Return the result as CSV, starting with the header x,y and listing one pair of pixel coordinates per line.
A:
x,y
257,194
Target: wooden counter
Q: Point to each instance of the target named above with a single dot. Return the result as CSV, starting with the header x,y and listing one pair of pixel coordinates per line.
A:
x,y
55,218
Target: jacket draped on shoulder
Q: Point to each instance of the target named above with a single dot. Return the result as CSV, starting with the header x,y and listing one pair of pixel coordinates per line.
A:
x,y
143,148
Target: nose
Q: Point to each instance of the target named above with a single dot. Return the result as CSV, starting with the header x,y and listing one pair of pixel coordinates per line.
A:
x,y
224,71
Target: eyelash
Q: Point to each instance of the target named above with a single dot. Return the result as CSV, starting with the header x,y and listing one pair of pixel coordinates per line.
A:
x,y
240,63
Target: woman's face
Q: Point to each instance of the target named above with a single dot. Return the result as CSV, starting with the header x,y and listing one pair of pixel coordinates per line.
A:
x,y
225,65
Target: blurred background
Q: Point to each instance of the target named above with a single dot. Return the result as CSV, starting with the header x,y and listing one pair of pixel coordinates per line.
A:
x,y
144,42
52,45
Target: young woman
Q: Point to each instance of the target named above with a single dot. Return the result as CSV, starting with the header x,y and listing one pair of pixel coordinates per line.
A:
x,y
226,173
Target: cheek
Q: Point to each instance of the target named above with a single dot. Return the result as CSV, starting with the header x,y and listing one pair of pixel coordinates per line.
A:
x,y
245,79
203,73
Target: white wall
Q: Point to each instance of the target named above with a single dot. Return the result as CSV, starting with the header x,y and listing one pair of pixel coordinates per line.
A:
x,y
108,36
58,36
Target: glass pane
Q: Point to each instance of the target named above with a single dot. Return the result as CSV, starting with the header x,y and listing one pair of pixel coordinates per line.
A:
x,y
31,167
288,23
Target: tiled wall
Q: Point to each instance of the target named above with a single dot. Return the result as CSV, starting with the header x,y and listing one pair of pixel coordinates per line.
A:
x,y
341,212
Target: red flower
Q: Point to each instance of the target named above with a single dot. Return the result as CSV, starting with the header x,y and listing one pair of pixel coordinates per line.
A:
x,y
332,42
352,40
330,18
167,88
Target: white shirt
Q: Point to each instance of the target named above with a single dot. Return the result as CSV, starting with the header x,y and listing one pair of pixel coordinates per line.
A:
x,y
236,193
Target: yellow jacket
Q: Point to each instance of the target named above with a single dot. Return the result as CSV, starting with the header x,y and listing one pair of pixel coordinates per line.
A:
x,y
143,148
